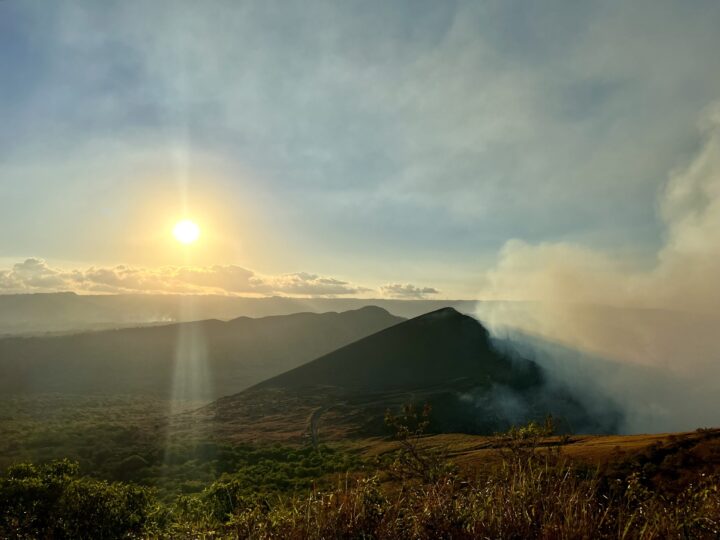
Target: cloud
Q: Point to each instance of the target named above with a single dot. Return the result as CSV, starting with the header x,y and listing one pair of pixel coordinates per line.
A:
x,y
302,283
31,273
35,275
398,290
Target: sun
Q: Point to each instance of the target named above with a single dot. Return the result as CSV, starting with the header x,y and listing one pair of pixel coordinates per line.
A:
x,y
186,231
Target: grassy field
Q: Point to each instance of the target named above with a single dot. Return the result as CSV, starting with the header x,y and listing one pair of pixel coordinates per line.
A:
x,y
119,456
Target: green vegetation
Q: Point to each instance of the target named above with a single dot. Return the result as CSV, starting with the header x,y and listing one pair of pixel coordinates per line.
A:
x,y
53,501
127,440
214,490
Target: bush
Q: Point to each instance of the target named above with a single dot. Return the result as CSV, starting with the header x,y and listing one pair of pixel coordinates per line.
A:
x,y
51,501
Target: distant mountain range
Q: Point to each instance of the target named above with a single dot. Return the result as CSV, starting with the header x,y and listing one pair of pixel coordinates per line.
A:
x,y
70,312
442,358
229,356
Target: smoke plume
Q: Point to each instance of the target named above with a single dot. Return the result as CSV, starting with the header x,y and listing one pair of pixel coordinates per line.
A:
x,y
646,335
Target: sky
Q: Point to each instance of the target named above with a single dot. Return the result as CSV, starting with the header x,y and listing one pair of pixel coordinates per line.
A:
x,y
522,150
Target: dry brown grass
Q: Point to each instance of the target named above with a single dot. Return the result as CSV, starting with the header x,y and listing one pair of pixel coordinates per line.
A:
x,y
530,499
529,490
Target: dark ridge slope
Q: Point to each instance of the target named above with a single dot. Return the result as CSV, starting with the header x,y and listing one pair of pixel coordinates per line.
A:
x,y
434,349
442,358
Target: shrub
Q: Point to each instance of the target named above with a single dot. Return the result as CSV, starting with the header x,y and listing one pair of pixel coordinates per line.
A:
x,y
412,460
51,501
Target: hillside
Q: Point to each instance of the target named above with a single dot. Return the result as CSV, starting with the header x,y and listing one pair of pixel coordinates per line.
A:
x,y
443,358
233,355
440,347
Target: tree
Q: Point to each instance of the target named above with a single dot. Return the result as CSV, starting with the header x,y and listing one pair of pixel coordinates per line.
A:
x,y
413,460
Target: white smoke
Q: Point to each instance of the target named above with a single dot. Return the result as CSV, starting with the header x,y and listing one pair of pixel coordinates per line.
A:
x,y
647,336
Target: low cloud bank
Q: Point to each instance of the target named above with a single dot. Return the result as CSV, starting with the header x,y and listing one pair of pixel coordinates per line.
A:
x,y
646,336
35,275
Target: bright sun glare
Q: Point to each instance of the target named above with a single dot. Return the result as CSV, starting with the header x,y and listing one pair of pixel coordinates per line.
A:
x,y
186,231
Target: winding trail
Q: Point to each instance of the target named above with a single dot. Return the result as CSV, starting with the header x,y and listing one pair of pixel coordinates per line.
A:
x,y
313,427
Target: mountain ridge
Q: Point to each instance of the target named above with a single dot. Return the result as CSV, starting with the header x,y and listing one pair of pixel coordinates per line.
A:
x,y
442,358
143,360
397,350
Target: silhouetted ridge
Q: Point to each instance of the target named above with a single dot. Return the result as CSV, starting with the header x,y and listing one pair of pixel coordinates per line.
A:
x,y
429,350
442,358
237,353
